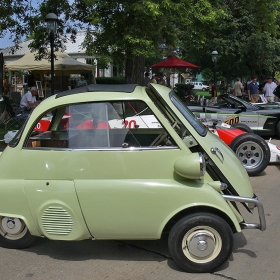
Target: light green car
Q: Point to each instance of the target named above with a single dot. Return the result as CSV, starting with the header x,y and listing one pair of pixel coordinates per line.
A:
x,y
124,162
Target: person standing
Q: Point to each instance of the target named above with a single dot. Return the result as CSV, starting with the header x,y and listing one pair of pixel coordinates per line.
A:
x,y
268,89
213,92
147,79
229,89
276,92
237,87
253,90
154,81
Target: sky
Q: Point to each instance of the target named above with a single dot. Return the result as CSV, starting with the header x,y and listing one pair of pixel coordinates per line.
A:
x,y
5,42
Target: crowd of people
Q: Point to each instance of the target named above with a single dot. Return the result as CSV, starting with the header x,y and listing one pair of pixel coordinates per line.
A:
x,y
156,79
254,90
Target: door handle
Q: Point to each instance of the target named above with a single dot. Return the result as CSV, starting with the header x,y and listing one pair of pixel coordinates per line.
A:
x,y
215,150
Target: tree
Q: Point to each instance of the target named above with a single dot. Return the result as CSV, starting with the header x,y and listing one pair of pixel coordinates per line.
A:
x,y
126,33
246,38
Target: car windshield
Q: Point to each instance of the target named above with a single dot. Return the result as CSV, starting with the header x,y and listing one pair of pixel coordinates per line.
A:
x,y
189,116
170,115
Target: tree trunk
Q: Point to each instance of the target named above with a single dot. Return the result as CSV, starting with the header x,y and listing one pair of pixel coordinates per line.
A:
x,y
128,70
134,70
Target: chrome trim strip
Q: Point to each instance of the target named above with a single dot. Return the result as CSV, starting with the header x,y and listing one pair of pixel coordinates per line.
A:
x,y
101,149
255,201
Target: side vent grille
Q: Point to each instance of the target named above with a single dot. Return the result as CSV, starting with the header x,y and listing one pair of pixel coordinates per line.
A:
x,y
57,221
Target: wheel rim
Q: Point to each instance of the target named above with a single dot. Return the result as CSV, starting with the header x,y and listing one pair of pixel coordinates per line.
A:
x,y
12,228
202,244
250,154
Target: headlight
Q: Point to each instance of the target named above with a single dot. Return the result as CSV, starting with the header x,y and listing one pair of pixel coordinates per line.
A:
x,y
191,166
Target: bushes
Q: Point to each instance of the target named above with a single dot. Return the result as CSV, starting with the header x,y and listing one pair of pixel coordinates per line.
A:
x,y
110,80
183,89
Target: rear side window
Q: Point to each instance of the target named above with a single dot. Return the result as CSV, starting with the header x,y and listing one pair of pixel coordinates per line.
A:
x,y
100,125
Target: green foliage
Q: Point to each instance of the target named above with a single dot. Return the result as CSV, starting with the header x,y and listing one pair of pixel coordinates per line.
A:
x,y
183,89
135,34
110,80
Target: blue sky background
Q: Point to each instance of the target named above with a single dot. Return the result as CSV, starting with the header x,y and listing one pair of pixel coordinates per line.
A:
x,y
5,42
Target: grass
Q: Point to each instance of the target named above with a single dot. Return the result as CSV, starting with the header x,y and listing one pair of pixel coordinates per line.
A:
x,y
206,94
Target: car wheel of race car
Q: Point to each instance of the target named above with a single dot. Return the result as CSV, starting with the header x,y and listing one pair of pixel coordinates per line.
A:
x,y
253,152
200,242
243,127
14,233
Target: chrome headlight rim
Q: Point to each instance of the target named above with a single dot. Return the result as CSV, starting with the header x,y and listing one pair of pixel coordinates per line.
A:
x,y
202,165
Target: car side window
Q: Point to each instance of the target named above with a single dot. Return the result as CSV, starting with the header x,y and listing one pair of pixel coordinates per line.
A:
x,y
100,125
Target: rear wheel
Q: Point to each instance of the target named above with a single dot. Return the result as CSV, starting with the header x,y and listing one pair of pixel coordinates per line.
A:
x,y
200,242
14,233
253,152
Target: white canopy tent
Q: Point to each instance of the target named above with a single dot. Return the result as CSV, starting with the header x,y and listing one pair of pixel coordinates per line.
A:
x,y
62,62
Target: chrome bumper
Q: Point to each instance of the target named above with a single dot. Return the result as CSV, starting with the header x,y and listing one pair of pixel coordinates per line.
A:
x,y
255,201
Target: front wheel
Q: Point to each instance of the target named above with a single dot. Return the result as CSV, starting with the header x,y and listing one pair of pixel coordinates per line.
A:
x,y
14,233
253,152
200,242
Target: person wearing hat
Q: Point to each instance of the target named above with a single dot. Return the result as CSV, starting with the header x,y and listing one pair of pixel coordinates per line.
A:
x,y
268,89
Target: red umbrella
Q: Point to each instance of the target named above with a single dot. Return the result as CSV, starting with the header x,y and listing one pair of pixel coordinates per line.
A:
x,y
174,62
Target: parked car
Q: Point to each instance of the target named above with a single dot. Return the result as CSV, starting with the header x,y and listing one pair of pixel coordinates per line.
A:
x,y
230,109
199,86
99,171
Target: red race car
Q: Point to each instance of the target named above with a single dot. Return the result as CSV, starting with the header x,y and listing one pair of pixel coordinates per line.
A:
x,y
252,150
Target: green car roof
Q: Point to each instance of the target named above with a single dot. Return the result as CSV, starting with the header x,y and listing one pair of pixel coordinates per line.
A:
x,y
128,88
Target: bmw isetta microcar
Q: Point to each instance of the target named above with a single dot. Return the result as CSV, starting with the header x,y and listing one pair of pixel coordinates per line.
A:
x,y
124,162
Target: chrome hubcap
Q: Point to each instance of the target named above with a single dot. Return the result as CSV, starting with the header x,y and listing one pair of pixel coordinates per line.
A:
x,y
11,225
201,244
250,154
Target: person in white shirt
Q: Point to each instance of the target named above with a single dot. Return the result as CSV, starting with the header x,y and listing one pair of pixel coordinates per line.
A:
x,y
268,89
29,101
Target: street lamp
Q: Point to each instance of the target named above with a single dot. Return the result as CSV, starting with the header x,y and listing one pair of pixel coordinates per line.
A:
x,y
214,59
1,74
51,20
